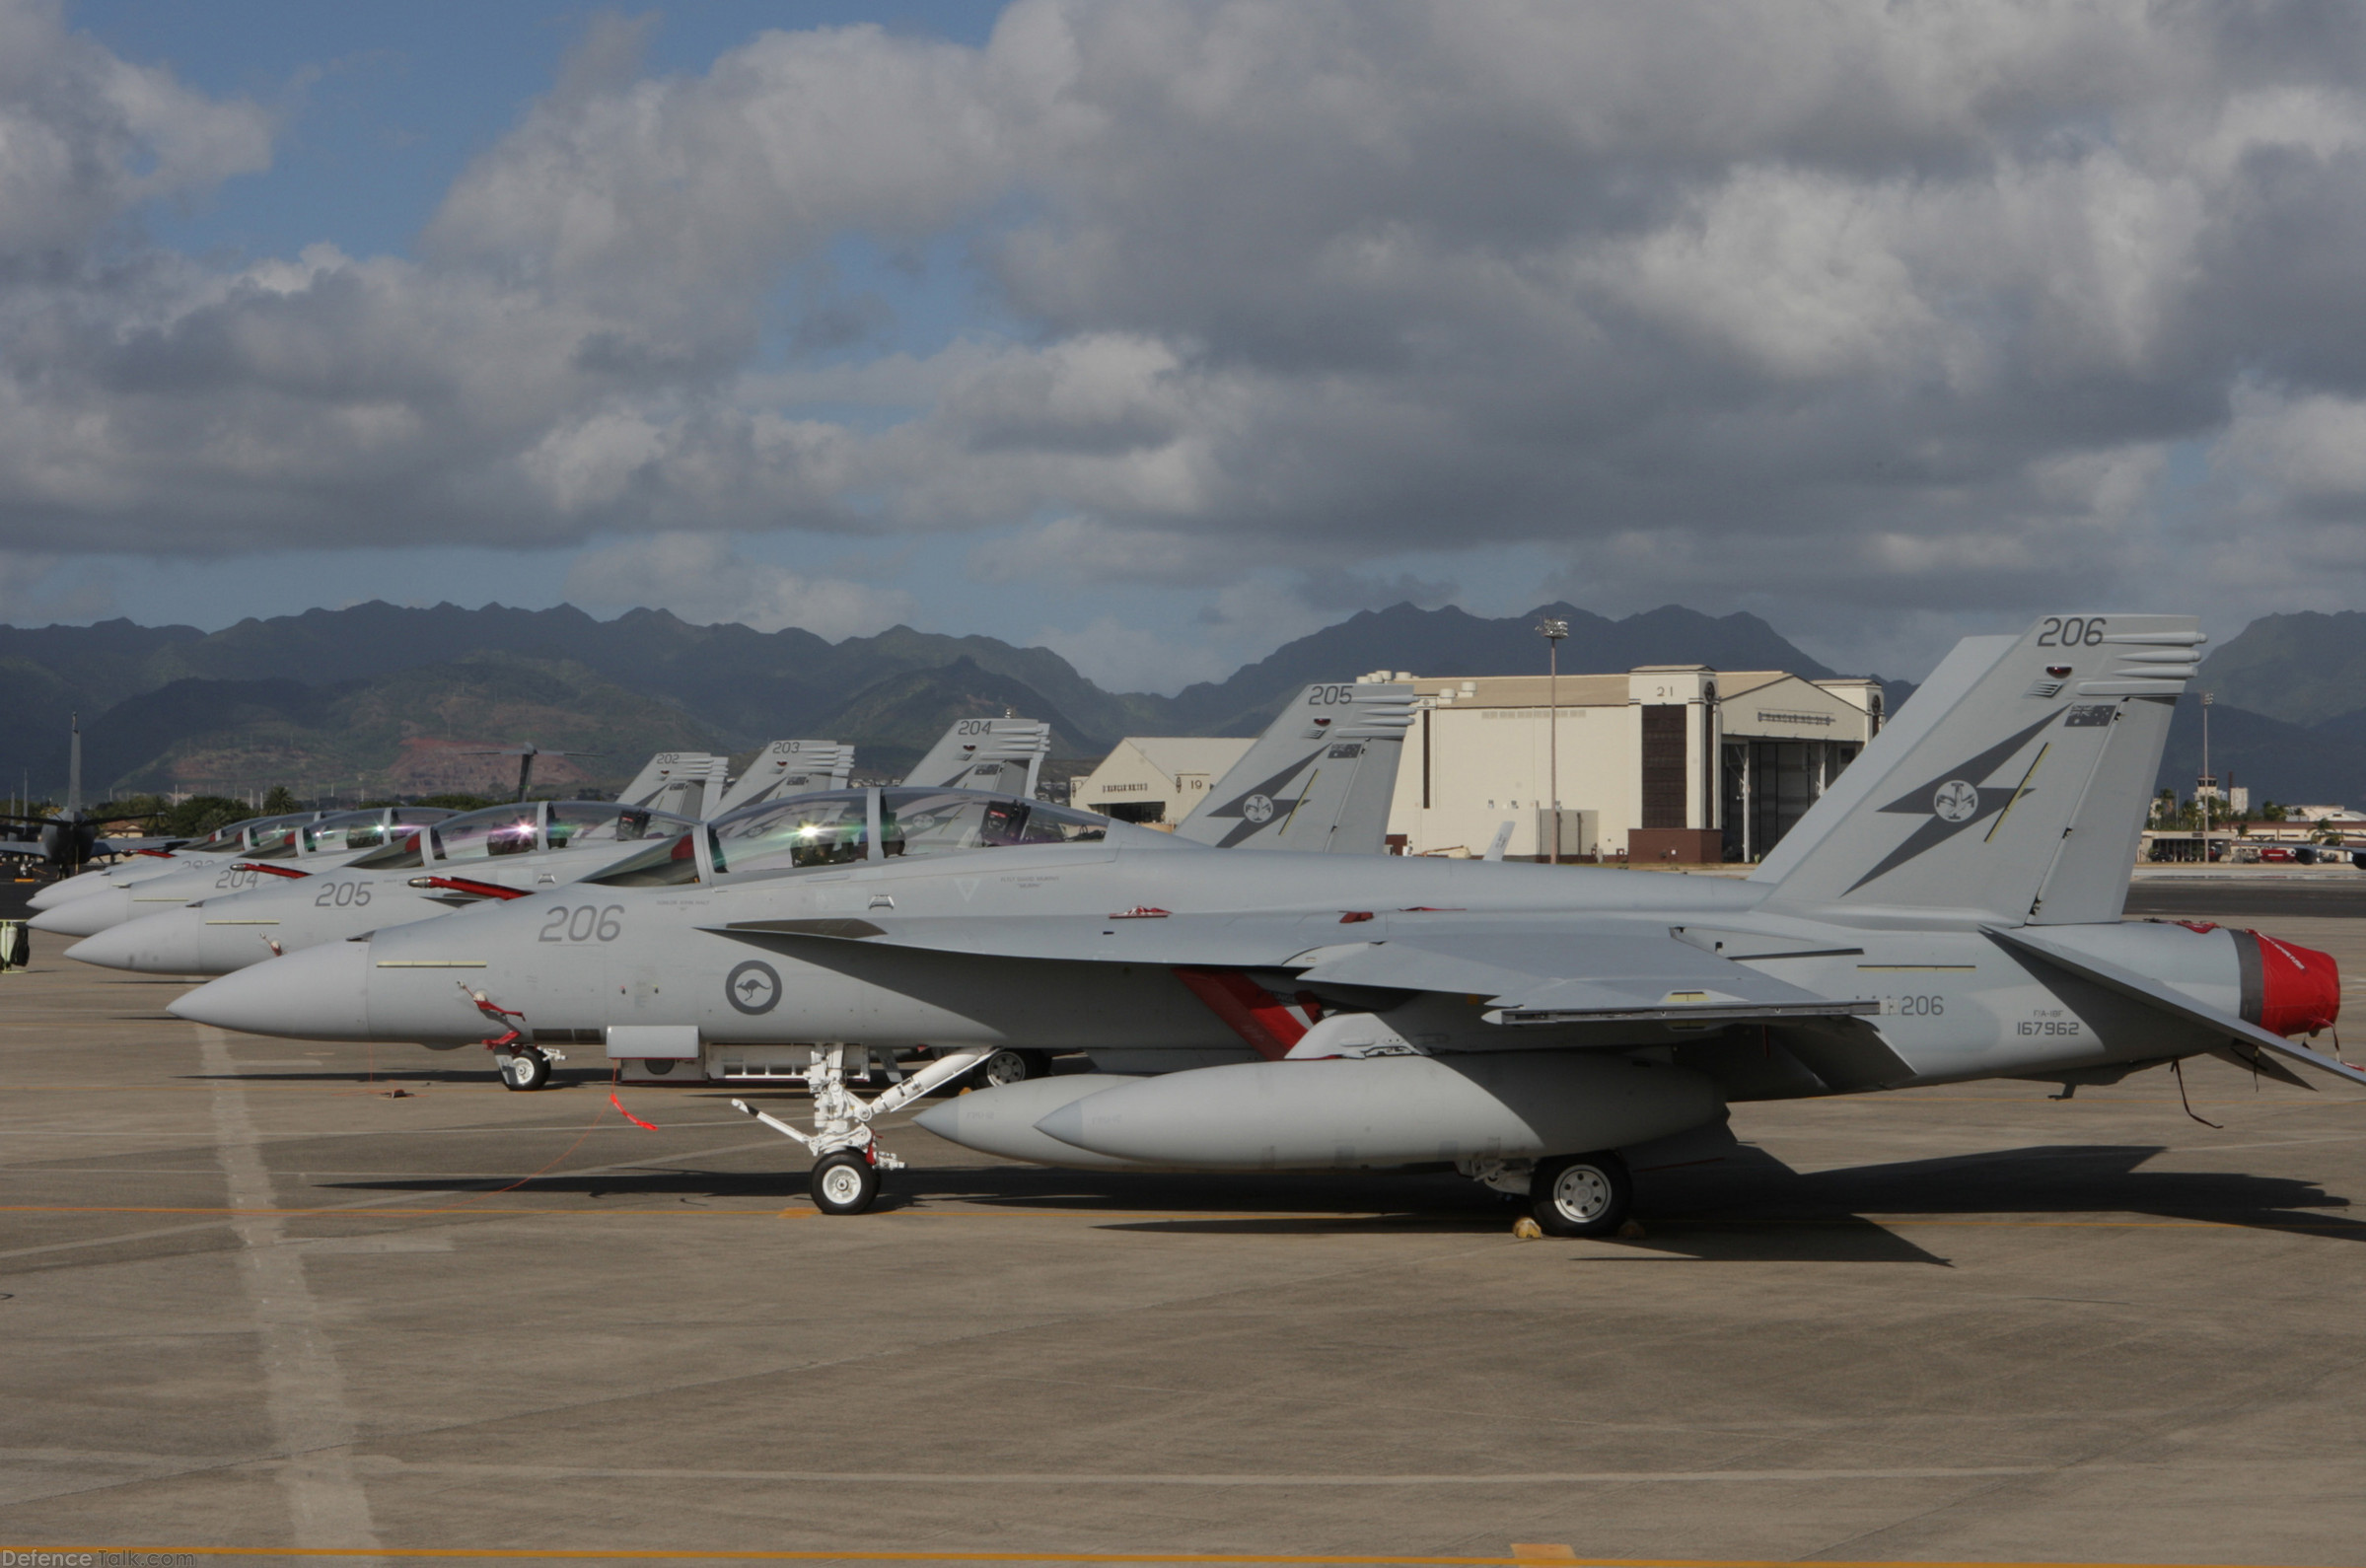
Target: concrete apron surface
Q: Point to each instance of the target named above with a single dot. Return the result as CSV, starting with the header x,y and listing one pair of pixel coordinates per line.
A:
x,y
256,1301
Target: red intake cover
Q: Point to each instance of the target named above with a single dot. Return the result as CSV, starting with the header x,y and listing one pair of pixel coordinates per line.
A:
x,y
2287,990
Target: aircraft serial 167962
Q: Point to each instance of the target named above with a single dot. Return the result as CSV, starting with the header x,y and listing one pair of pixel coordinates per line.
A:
x,y
1951,909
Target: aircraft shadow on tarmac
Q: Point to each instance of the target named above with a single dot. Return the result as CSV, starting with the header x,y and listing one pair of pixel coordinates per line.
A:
x,y
1749,1208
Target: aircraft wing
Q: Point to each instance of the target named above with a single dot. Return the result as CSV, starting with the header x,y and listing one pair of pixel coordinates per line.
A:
x,y
2248,1037
128,846
1532,970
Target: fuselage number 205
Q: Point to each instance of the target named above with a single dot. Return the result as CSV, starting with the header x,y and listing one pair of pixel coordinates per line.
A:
x,y
586,922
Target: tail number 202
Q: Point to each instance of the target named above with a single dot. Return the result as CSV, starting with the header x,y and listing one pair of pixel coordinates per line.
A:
x,y
586,922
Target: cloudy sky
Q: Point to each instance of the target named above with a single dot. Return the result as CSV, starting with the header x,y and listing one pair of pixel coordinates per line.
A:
x,y
1160,334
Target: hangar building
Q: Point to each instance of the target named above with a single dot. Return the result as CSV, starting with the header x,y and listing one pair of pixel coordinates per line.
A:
x,y
1665,762
1157,778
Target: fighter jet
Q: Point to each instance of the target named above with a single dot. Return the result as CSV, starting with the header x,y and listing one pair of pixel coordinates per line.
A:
x,y
287,850
1329,759
500,853
142,864
69,840
1950,910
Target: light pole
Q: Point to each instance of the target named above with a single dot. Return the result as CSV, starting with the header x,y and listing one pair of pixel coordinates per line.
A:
x,y
1553,631
2209,783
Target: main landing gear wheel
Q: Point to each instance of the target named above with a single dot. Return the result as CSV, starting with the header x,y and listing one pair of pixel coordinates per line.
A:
x,y
526,1070
1013,1067
844,1182
1581,1194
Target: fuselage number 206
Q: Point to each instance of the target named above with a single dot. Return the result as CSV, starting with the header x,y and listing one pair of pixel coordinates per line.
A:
x,y
586,922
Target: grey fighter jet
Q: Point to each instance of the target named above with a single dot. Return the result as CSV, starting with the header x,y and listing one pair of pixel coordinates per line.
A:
x,y
1330,756
287,851
140,865
1950,910
502,852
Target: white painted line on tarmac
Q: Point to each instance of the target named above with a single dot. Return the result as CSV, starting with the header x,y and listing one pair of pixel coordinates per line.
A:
x,y
303,1389
561,1472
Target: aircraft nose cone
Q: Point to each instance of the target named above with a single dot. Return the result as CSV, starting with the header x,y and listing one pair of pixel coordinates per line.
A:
x,y
316,993
80,885
157,944
85,917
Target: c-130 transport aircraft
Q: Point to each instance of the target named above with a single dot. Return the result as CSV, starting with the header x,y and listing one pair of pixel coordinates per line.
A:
x,y
1950,910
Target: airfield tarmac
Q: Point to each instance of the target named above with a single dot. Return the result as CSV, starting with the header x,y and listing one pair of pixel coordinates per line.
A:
x,y
256,1301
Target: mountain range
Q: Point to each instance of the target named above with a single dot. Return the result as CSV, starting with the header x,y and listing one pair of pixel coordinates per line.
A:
x,y
378,698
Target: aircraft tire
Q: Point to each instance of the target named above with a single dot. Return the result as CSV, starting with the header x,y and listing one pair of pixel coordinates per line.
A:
x,y
527,1070
1581,1194
844,1182
1012,1066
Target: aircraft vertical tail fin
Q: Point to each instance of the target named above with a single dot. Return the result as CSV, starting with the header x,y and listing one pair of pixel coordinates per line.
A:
x,y
1320,778
2012,787
673,781
656,774
1005,755
74,768
790,768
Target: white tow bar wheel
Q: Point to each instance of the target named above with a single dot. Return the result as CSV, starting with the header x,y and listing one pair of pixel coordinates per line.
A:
x,y
525,1070
844,1182
1581,1194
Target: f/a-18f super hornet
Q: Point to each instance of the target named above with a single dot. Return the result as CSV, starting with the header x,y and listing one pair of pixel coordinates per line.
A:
x,y
69,840
287,850
139,865
503,852
1320,776
1950,910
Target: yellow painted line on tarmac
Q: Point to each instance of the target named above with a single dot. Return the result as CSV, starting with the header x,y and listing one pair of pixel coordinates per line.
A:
x,y
1346,1560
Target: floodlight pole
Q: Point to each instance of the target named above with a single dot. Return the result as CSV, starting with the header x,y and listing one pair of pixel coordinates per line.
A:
x,y
2209,782
1553,631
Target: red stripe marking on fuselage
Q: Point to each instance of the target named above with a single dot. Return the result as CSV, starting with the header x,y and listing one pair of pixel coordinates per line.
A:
x,y
1253,1013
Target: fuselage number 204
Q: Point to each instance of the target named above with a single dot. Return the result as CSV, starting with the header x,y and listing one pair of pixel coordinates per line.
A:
x,y
586,922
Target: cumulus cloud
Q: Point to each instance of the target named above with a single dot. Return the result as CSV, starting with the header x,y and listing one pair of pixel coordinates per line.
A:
x,y
702,579
1909,306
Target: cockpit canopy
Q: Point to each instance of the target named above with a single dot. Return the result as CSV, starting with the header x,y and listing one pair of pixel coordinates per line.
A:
x,y
235,837
349,832
834,828
526,827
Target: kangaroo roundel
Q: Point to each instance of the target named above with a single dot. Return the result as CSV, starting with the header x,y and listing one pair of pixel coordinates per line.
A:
x,y
754,988
1955,801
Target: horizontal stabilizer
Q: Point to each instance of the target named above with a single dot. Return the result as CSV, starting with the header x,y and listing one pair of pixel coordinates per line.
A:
x,y
1573,976
2151,992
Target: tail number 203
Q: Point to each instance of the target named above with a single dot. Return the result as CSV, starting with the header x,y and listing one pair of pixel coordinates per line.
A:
x,y
586,922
